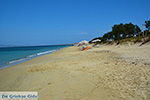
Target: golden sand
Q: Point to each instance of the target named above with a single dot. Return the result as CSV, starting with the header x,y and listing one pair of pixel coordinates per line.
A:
x,y
105,73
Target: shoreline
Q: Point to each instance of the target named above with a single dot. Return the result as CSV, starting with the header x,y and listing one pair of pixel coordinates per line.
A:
x,y
107,72
28,58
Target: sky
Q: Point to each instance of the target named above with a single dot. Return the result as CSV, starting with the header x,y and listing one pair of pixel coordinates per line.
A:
x,y
48,22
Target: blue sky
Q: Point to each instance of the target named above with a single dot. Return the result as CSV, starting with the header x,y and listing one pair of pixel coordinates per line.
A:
x,y
44,22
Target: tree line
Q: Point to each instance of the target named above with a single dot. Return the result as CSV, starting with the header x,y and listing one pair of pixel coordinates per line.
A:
x,y
122,31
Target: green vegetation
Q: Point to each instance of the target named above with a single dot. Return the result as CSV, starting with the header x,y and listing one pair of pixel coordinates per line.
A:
x,y
147,25
124,32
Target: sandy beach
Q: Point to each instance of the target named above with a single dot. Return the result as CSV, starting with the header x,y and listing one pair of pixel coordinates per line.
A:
x,y
107,72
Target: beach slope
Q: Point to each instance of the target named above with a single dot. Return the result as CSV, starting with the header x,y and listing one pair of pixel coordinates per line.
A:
x,y
108,72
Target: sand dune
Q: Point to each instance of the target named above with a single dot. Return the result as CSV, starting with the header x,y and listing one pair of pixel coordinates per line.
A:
x,y
105,73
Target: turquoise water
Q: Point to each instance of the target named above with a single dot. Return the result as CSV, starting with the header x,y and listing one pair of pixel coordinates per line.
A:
x,y
13,55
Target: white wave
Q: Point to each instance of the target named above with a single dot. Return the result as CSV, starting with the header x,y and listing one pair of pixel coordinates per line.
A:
x,y
30,57
14,61
46,52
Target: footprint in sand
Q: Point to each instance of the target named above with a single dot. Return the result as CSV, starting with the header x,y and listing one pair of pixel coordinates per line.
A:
x,y
49,83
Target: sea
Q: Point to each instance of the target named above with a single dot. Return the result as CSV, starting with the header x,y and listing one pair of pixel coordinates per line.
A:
x,y
10,56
